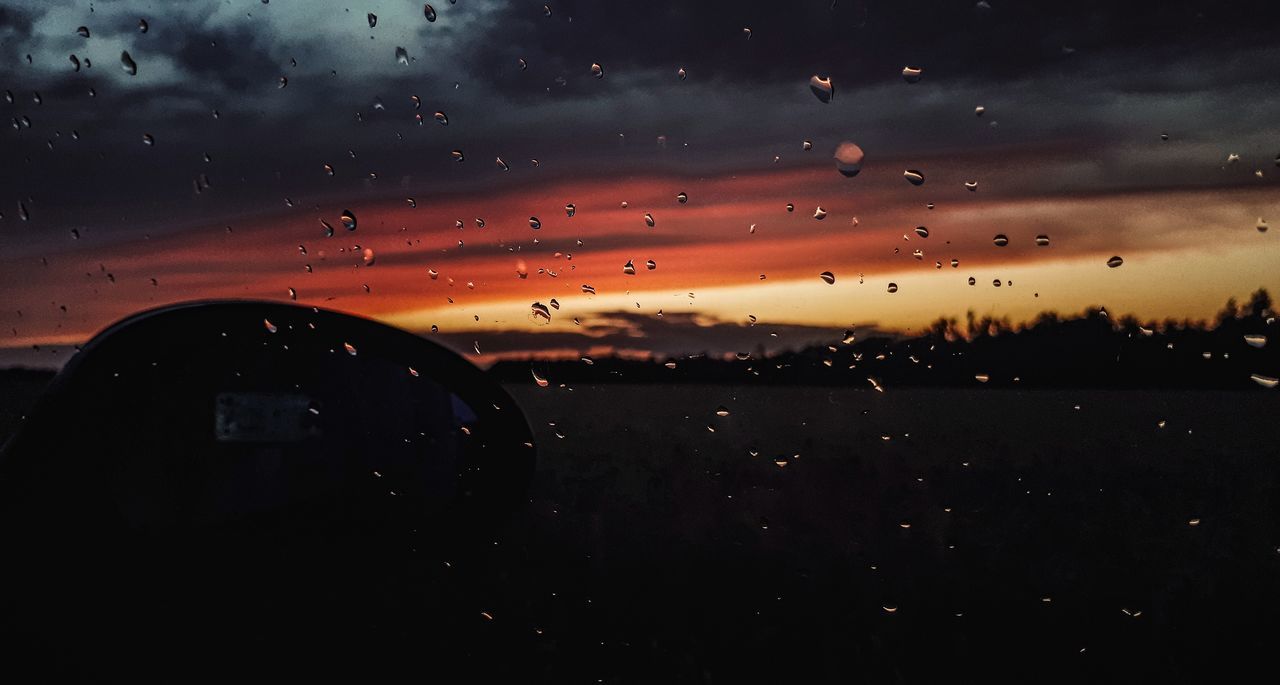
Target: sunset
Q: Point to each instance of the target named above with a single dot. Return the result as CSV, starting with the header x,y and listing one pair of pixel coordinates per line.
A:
x,y
639,341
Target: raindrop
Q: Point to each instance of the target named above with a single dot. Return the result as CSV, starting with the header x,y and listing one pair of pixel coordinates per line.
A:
x,y
922,231
148,139
570,209
982,378
971,186
413,204
973,281
283,82
648,220
369,258
1255,340
1114,262
597,70
680,73
523,64
501,164
1042,240
629,268
143,26
83,31
651,265
402,55
913,177
542,382
682,198
328,170
534,223
819,214
589,289
373,20
848,159
1000,240
822,88
912,74
348,219
271,328
722,411
791,207
429,12
979,110
1264,381
126,62
1262,225
457,155
351,349
540,312
75,62
328,228
996,283
893,287
827,277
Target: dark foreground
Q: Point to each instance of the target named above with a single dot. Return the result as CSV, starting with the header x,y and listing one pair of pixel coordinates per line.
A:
x,y
897,536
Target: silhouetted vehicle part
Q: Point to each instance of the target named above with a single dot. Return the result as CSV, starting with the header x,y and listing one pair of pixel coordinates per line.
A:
x,y
236,485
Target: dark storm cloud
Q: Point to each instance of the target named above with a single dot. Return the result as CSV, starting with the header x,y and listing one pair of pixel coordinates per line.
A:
x,y
673,334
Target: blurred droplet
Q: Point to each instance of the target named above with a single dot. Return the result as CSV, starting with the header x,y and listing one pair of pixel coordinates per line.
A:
x,y
791,207
127,64
1264,381
148,139
911,74
822,88
979,110
402,55
570,209
848,159
143,26
1114,262
680,73
597,70
973,281
1255,340
457,155
442,119
542,382
351,349
283,82
271,328
1000,240
328,170
629,268
369,258
83,31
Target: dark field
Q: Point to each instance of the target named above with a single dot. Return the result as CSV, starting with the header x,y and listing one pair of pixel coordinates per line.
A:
x,y
910,534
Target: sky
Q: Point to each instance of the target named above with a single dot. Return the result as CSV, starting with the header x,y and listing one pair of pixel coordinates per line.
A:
x,y
1144,130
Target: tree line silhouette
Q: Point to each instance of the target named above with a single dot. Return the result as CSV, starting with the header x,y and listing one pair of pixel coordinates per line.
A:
x,y
1091,349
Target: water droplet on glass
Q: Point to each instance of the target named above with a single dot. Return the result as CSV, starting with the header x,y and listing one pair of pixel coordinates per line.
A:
x,y
913,177
848,159
127,64
648,220
148,139
75,62
534,223
373,20
542,382
1000,240
442,119
589,289
1114,262
143,26
369,258
540,312
83,31
1264,381
1042,240
893,287
351,349
597,70
629,268
521,63
912,74
570,209
283,82
819,214
429,12
828,277
922,231
348,219
722,411
682,198
822,88
501,164
1255,340
979,110
973,281
680,73
457,155
402,55
791,207
650,265
1262,225
971,186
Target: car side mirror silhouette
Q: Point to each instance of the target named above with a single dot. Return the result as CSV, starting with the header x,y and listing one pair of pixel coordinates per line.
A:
x,y
250,468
